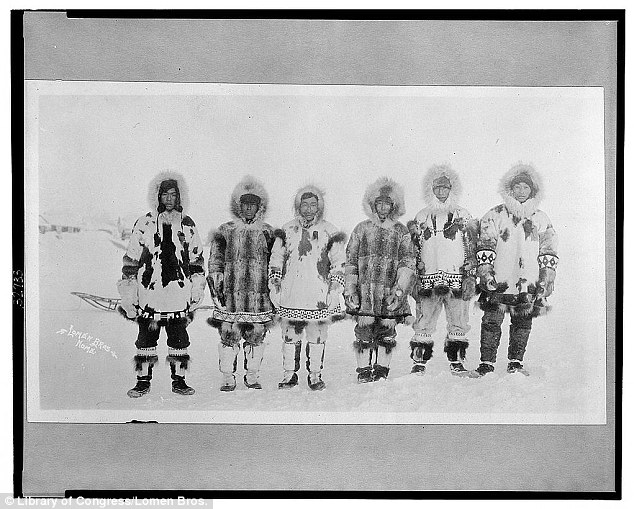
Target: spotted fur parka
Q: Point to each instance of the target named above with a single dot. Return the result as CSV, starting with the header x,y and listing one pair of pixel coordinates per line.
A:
x,y
308,258
444,237
163,254
517,244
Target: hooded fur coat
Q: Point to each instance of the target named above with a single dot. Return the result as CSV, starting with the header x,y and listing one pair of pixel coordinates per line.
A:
x,y
515,240
379,253
308,258
240,250
444,237
163,253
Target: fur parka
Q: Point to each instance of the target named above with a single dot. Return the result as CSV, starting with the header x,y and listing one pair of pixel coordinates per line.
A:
x,y
308,258
444,237
380,256
163,254
240,251
518,246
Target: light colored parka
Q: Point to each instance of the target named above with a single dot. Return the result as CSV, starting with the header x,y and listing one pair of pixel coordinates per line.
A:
x,y
308,257
516,240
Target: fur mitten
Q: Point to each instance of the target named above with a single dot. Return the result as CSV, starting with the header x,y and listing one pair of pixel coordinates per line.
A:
x,y
468,287
129,291
198,289
547,281
487,277
395,299
351,294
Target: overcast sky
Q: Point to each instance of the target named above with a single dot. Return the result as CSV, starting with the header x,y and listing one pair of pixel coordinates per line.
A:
x,y
95,146
100,144
99,149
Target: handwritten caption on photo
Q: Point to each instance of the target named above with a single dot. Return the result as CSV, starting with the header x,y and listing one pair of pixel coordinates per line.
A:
x,y
87,342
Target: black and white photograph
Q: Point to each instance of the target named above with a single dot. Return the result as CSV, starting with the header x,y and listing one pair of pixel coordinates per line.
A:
x,y
293,248
271,253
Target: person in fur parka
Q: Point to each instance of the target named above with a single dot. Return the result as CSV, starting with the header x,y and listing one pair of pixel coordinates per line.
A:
x,y
238,281
444,236
380,265
517,260
163,281
306,281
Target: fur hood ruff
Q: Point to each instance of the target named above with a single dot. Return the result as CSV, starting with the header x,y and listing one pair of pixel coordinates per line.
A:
x,y
391,189
437,171
530,206
155,184
249,185
319,192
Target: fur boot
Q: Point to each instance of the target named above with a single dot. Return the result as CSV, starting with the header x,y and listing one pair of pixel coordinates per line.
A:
x,y
227,362
253,355
290,360
314,365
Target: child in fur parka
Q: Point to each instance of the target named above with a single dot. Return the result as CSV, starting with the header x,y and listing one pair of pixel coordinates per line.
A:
x,y
380,264
444,236
238,281
163,281
306,281
517,260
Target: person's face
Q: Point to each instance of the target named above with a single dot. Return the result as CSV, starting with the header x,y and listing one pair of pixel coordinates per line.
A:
x,y
168,199
521,191
442,193
308,208
249,210
383,208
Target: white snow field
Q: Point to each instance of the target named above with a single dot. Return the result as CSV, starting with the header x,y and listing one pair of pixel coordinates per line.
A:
x,y
565,357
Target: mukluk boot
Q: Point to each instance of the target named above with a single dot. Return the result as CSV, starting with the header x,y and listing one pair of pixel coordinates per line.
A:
x,y
179,362
518,339
365,354
515,366
314,365
456,353
227,362
144,362
422,350
483,369
290,361
383,358
253,355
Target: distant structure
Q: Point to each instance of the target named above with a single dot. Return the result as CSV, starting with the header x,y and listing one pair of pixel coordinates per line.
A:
x,y
48,226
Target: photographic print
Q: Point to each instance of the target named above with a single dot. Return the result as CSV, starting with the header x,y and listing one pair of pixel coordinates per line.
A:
x,y
303,254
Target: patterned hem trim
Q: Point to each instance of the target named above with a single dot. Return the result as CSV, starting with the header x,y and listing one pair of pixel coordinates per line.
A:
x,y
308,314
440,279
485,256
150,350
177,351
380,317
547,261
242,316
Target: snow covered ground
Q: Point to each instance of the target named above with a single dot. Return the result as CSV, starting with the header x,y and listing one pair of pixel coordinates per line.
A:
x,y
565,357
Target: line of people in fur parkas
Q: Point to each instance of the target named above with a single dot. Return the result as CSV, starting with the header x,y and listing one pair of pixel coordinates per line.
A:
x,y
297,275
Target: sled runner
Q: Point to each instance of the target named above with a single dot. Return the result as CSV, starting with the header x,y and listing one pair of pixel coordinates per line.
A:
x,y
108,303
105,303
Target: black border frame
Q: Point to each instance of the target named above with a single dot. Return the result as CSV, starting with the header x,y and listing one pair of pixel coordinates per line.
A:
x,y
18,145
